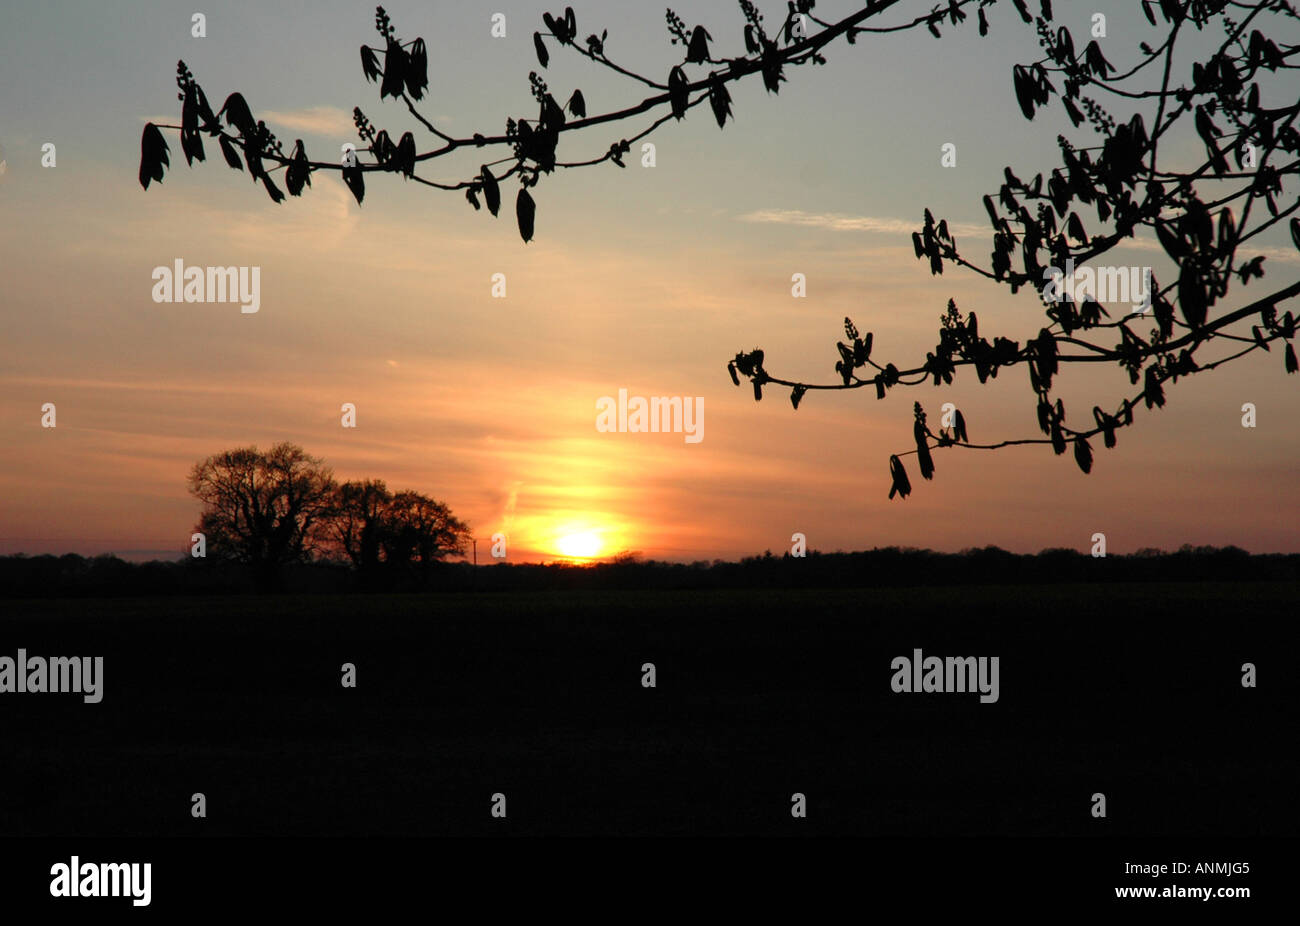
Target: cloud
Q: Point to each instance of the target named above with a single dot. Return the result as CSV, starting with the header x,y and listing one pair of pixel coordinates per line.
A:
x,y
319,120
838,221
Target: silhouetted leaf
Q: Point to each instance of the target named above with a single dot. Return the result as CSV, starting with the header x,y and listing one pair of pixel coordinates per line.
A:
x,y
1191,295
1024,90
552,114
253,158
862,349
1208,131
796,394
192,146
417,69
1075,227
272,190
959,425
1057,436
153,155
525,211
491,192
731,369
901,486
231,154
369,63
1154,393
191,142
298,174
1107,425
923,459
543,56
1290,361
1064,46
473,198
406,154
395,65
356,182
719,99
773,68
390,153
1095,60
990,209
678,91
1072,111
239,115
1295,233
1083,454
206,115
577,105
697,52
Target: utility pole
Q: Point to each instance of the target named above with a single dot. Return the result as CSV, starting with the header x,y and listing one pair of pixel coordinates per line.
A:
x,y
475,541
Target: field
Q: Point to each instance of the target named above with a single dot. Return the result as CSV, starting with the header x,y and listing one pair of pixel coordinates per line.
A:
x,y
1131,690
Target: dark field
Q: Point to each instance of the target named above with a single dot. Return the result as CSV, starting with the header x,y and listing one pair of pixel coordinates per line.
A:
x,y
1128,689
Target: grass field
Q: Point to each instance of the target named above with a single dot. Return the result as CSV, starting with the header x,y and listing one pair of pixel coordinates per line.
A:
x,y
1130,690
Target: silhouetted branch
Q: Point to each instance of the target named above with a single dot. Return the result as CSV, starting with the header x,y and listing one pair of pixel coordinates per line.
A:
x,y
1108,177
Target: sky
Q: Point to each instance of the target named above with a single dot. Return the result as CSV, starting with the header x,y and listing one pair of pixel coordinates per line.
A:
x,y
647,279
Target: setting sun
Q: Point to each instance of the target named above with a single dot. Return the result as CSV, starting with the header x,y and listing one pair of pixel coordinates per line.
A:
x,y
580,546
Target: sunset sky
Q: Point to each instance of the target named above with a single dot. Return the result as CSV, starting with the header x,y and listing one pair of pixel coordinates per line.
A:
x,y
645,279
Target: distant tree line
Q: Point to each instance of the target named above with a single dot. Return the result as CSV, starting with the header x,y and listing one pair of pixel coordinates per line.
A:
x,y
107,575
270,510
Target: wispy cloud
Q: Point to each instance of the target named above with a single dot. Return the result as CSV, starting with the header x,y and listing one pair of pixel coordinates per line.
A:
x,y
842,222
839,221
319,120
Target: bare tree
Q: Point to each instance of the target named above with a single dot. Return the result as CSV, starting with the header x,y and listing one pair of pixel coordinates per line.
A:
x,y
357,527
264,509
1239,102
375,527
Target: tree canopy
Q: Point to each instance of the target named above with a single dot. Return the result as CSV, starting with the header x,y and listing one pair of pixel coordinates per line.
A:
x,y
268,509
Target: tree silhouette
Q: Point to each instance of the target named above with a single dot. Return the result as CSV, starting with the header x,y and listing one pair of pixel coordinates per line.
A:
x,y
271,509
376,528
1238,102
358,523
264,509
